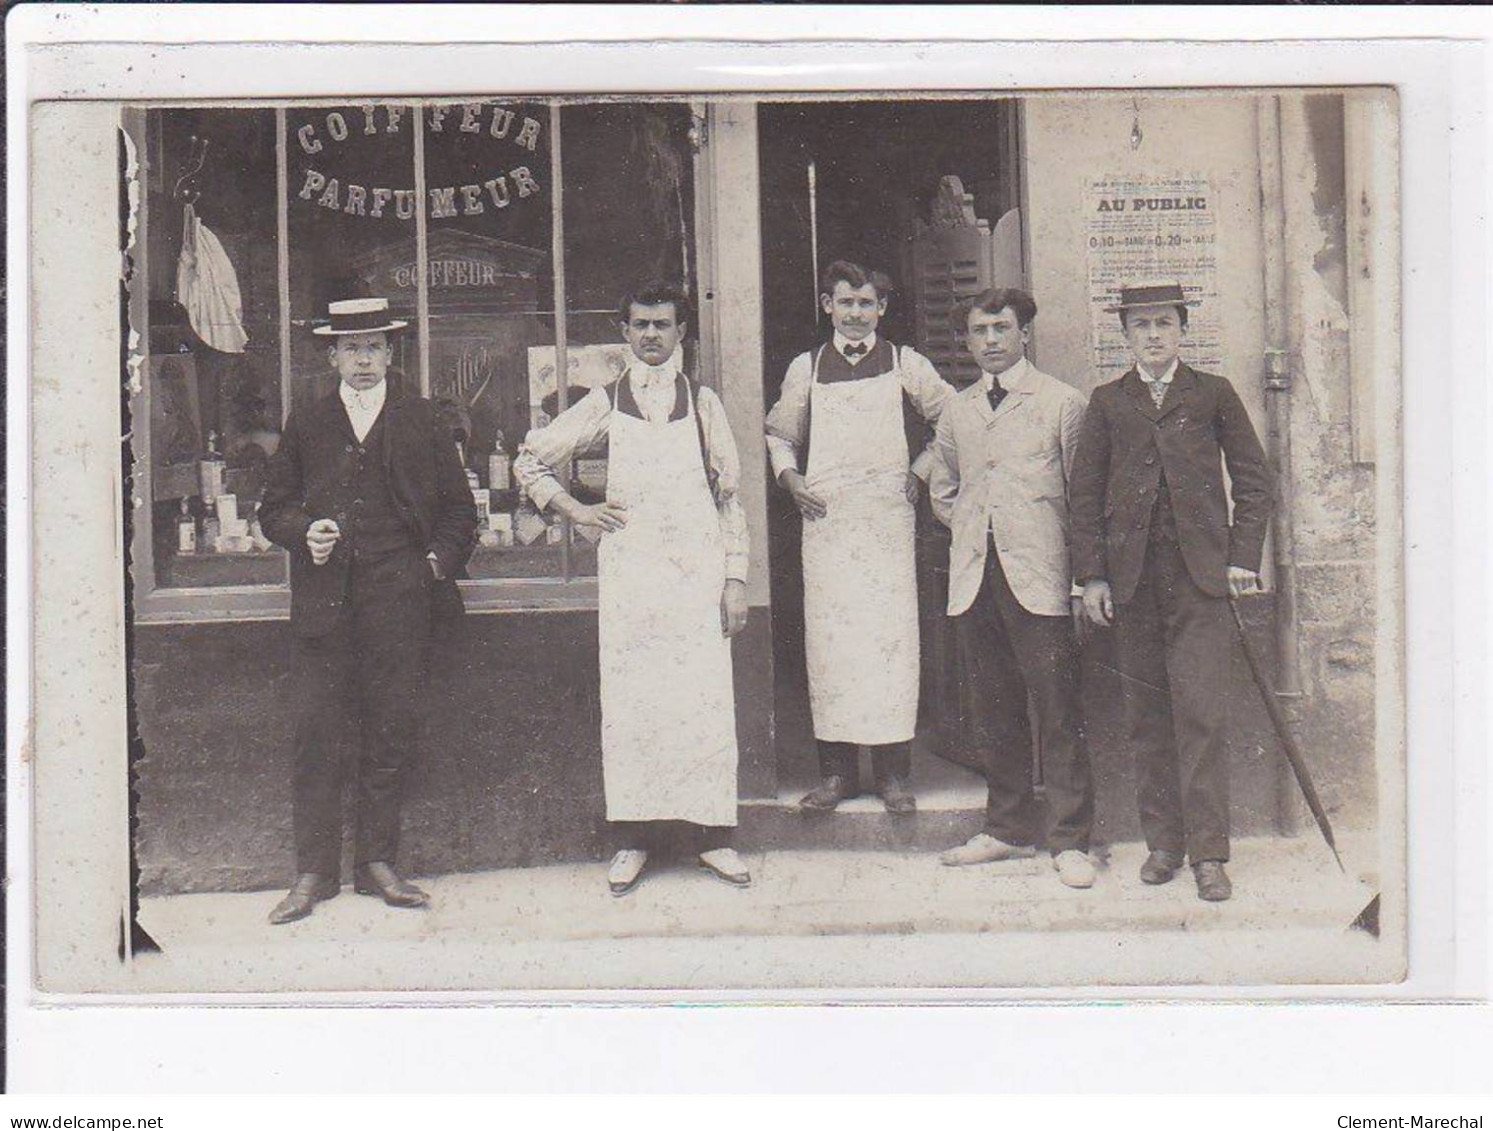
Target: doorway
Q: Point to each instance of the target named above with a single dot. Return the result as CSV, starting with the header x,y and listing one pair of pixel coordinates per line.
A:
x,y
919,189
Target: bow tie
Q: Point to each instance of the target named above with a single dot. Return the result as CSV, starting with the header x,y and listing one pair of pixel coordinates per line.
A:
x,y
855,349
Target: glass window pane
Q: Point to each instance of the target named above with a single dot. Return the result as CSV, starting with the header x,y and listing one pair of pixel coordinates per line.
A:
x,y
213,372
629,211
350,187
491,287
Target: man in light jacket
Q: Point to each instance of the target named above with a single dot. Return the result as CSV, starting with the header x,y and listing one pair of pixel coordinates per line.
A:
x,y
1002,458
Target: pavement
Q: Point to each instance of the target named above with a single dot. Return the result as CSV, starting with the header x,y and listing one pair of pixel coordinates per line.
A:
x,y
848,924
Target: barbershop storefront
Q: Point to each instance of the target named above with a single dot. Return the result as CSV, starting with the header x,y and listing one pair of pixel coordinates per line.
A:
x,y
504,232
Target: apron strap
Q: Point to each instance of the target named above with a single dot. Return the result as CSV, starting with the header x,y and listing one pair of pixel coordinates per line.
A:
x,y
712,480
809,406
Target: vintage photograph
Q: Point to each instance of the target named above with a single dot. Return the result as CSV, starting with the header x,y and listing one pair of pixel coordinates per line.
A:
x,y
955,558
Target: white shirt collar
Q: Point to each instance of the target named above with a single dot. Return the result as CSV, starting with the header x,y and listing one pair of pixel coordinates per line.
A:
x,y
363,400
841,341
1165,378
644,374
1010,380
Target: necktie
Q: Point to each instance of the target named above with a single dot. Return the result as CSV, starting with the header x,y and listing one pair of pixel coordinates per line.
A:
x,y
855,350
996,394
1158,391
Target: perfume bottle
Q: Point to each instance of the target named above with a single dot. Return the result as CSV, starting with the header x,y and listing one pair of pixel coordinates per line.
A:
x,y
499,477
210,472
186,530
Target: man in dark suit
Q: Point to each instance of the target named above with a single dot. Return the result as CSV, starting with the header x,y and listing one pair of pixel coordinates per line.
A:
x,y
368,494
1158,557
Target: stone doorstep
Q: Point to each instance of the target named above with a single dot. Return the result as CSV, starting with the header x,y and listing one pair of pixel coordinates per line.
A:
x,y
1279,884
946,816
951,808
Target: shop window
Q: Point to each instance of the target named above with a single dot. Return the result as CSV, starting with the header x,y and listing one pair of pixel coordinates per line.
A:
x,y
213,366
454,212
629,209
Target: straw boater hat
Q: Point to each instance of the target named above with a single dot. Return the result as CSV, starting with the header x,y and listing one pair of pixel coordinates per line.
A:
x,y
359,316
1151,293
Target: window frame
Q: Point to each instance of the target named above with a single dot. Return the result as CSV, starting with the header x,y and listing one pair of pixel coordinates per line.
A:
x,y
566,593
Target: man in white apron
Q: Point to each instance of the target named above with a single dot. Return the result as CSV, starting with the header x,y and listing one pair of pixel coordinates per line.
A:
x,y
672,565
841,415
1002,462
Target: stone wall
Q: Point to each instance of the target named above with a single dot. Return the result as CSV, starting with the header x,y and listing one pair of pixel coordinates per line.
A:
x,y
1332,497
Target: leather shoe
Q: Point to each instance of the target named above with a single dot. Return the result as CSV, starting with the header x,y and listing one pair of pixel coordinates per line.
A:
x,y
1074,868
1160,866
726,865
377,878
626,870
896,794
829,793
982,848
1213,881
308,890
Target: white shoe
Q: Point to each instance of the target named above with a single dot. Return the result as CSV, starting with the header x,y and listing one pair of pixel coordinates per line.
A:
x,y
982,848
627,867
1074,868
726,865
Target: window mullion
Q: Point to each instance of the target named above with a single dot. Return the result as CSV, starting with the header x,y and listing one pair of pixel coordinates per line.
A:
x,y
422,246
282,238
562,360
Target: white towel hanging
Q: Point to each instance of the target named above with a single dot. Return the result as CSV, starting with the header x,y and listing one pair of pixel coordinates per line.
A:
x,y
207,286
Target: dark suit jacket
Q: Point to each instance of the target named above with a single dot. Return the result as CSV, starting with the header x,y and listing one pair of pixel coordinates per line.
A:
x,y
308,476
1125,445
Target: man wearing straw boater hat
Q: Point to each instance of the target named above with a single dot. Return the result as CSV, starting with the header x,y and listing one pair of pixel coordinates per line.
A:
x,y
1158,557
367,493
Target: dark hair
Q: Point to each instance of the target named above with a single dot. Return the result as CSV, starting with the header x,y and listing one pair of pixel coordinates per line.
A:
x,y
655,294
1180,309
993,301
842,270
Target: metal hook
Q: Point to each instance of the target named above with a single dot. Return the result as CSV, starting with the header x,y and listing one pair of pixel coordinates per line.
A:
x,y
200,156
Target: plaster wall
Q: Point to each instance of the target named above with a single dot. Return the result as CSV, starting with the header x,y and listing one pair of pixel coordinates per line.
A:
x,y
1069,139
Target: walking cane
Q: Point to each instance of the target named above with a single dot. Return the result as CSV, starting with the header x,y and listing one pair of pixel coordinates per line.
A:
x,y
1293,754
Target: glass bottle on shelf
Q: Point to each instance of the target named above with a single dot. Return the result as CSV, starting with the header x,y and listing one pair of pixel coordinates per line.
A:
x,y
211,530
210,472
186,530
499,477
480,498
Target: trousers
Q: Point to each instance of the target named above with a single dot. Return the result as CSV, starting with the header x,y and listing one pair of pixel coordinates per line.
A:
x,y
1172,647
684,837
365,680
1018,657
889,760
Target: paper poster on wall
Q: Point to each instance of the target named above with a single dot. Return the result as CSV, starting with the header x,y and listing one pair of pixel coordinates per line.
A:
x,y
590,367
1152,228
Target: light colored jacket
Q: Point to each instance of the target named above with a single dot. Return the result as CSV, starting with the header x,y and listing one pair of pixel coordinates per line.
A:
x,y
1007,470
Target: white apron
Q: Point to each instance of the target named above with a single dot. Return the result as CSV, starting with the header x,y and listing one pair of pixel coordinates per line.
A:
x,y
860,579
668,710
